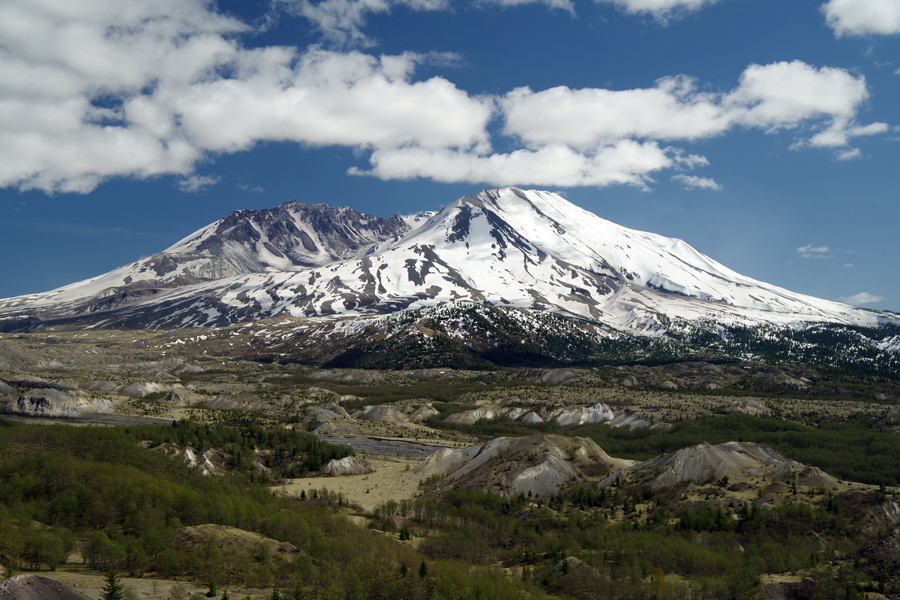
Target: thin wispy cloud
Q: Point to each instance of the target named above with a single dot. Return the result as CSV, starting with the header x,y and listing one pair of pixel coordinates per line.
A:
x,y
862,299
198,183
815,252
661,10
692,182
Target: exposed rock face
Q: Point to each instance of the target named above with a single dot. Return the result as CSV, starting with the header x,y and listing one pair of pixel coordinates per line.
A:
x,y
349,465
34,587
5,389
58,403
540,464
211,461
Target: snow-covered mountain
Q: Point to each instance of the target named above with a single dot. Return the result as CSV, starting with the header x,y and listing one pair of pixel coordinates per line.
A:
x,y
506,247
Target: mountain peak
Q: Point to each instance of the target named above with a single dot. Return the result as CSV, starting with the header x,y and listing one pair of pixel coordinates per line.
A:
x,y
509,247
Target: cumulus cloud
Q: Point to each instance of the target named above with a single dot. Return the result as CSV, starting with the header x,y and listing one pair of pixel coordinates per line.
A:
x,y
862,17
106,88
103,88
196,183
626,162
783,95
861,299
662,10
691,182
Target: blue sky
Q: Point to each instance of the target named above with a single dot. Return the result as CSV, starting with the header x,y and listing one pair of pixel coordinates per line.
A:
x,y
764,133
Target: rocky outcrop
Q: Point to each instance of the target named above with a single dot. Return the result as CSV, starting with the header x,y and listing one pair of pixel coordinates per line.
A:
x,y
59,403
349,465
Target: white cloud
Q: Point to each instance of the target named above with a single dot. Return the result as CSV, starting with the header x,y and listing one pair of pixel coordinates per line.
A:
x,y
694,182
196,183
662,10
841,132
103,88
862,17
341,21
258,189
861,299
626,162
815,252
849,154
564,5
769,97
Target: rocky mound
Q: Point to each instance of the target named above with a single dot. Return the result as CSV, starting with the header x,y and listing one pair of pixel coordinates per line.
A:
x,y
540,465
349,465
33,587
735,460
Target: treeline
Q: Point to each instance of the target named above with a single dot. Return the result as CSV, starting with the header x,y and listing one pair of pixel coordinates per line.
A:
x,y
97,490
626,541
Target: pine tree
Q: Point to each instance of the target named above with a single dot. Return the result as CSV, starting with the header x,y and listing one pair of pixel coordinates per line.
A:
x,y
114,590
276,595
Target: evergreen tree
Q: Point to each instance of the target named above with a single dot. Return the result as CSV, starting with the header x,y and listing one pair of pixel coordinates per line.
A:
x,y
276,595
212,589
113,590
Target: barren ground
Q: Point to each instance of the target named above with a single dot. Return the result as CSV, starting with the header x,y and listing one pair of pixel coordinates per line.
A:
x,y
390,481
